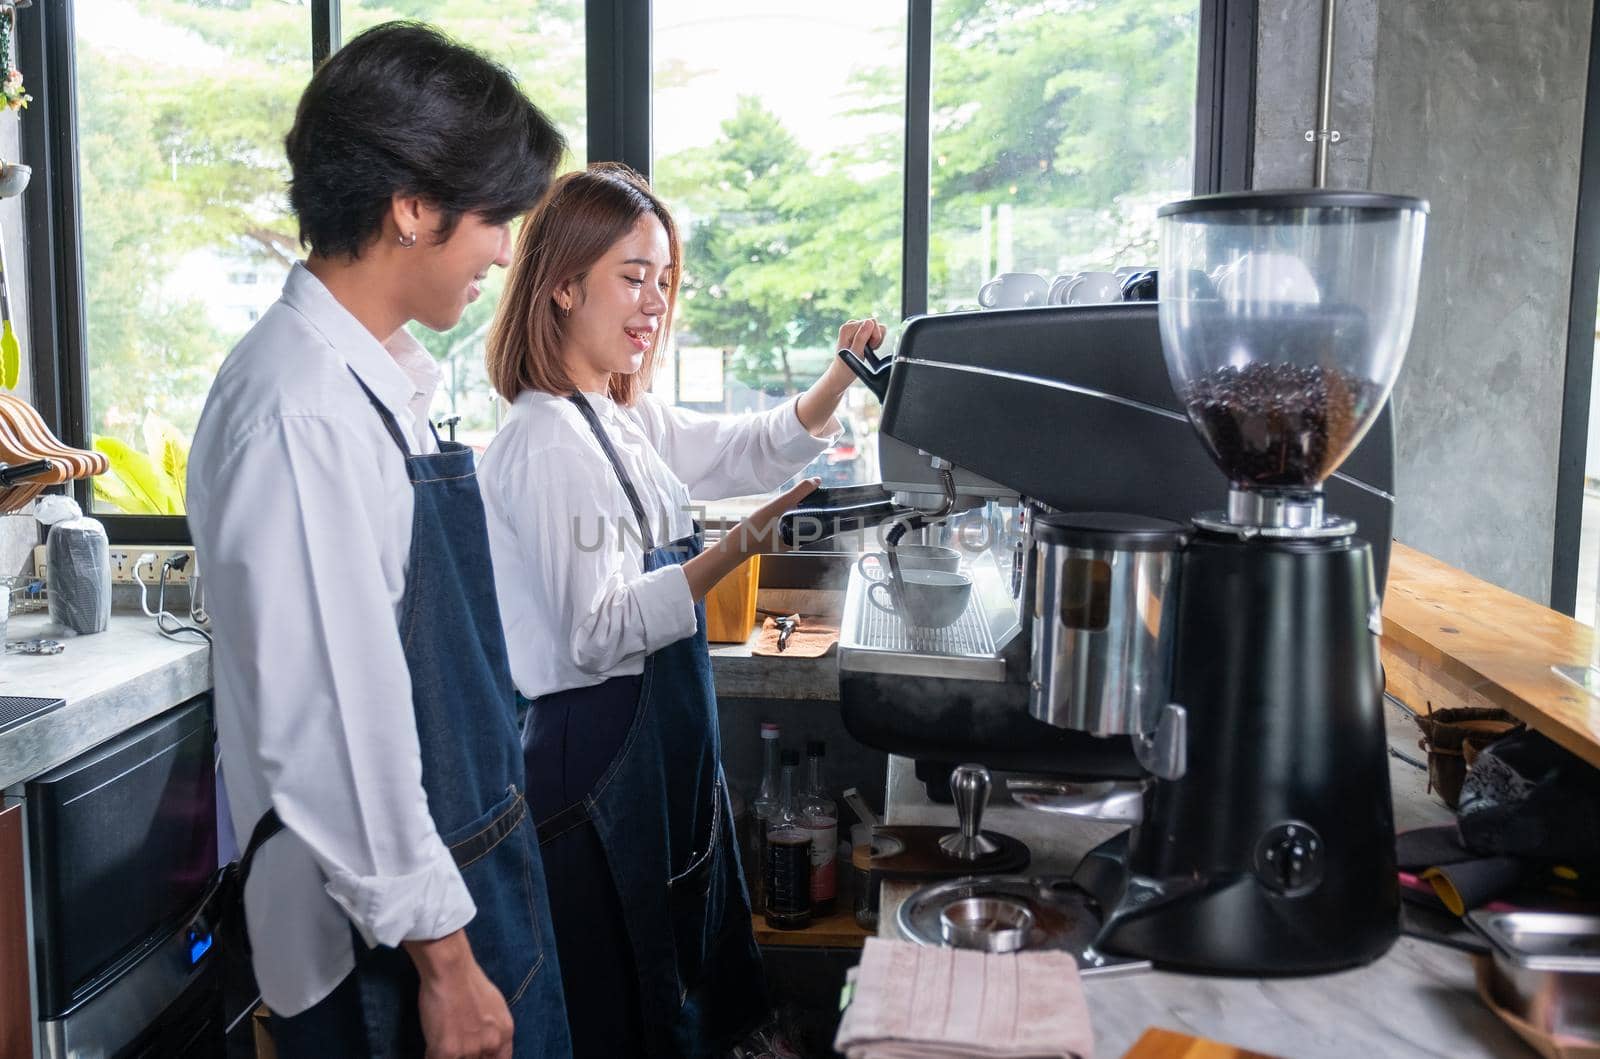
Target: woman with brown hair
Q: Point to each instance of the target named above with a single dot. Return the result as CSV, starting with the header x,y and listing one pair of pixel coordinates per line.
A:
x,y
600,572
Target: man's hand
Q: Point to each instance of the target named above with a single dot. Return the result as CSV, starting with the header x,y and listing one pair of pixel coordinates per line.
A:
x,y
463,1014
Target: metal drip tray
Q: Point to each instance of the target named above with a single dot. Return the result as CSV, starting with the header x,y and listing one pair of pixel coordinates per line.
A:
x,y
1059,915
967,638
875,641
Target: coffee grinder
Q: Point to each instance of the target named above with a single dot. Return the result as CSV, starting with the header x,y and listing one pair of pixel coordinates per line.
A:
x,y
1265,838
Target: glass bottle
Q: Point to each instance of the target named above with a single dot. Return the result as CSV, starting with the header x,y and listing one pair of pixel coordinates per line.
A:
x,y
820,814
788,879
762,808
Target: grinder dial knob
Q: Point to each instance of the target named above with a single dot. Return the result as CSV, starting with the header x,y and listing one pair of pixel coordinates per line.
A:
x,y
1290,858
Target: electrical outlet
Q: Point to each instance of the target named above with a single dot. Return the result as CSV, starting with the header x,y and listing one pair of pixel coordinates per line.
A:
x,y
125,556
150,569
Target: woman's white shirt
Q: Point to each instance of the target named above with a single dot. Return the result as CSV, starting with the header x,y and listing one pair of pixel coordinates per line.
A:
x,y
568,557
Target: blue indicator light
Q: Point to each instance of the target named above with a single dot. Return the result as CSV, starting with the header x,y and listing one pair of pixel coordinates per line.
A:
x,y
198,947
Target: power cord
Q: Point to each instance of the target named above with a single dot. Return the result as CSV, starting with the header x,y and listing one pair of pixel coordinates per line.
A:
x,y
168,623
197,596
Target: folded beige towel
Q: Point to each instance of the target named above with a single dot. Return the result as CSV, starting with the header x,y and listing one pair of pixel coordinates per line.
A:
x,y
923,1002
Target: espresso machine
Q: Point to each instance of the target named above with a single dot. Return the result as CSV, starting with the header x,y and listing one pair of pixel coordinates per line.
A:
x,y
1209,677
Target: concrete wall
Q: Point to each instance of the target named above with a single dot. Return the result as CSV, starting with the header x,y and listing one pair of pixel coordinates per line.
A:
x,y
1476,105
1288,60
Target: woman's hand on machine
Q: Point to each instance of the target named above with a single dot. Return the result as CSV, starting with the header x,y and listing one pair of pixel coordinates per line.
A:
x,y
858,336
817,405
759,531
756,534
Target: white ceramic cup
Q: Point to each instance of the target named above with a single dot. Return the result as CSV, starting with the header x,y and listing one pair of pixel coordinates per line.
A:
x,y
1270,277
930,599
1060,288
1013,290
910,557
1095,288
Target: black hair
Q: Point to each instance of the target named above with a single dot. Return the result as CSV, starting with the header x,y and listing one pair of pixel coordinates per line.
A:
x,y
403,109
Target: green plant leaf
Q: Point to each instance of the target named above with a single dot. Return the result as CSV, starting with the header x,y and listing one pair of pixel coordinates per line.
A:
x,y
170,449
10,358
108,489
141,478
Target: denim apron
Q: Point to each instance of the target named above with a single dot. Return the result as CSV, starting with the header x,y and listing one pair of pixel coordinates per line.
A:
x,y
472,772
640,845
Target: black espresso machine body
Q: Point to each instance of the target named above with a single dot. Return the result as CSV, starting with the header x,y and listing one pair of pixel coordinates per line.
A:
x,y
1059,408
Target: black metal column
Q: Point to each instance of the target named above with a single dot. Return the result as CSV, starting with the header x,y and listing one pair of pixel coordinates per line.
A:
x,y
919,150
1225,97
619,75
49,142
1572,453
325,32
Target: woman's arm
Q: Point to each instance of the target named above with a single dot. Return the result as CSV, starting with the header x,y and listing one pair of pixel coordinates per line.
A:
x,y
567,557
718,456
817,405
756,534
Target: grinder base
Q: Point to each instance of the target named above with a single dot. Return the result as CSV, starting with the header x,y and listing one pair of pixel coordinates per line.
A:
x,y
1274,853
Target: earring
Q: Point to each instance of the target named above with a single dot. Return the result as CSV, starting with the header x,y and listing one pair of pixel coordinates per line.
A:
x,y
566,311
408,241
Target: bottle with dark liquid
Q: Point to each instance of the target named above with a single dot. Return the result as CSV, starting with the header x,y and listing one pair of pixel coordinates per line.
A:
x,y
820,814
788,877
762,809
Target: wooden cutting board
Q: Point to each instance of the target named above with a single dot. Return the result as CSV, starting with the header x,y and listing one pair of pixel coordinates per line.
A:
x,y
1166,1044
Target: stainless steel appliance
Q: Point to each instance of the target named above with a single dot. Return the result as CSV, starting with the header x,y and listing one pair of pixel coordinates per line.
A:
x,y
1545,969
122,878
1213,682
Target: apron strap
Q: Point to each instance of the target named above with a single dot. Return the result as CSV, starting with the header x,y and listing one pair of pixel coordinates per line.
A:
x,y
616,466
269,824
553,827
388,417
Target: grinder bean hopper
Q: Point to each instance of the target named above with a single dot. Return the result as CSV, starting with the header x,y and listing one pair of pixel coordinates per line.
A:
x,y
1266,843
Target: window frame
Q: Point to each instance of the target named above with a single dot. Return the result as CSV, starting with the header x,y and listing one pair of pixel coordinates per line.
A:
x,y
619,101
1573,447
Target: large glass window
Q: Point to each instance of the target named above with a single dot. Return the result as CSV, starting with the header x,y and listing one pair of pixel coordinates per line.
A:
x,y
542,44
779,143
182,108
181,111
1058,128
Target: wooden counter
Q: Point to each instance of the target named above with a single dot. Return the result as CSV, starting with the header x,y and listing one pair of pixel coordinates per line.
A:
x,y
837,930
740,673
1453,640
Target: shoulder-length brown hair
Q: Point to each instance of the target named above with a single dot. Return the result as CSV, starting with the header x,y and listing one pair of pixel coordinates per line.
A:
x,y
582,216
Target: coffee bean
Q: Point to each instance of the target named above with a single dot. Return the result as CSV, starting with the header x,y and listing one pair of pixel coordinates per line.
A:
x,y
1285,425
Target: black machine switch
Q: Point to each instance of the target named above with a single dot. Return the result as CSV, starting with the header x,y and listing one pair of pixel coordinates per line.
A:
x,y
1289,858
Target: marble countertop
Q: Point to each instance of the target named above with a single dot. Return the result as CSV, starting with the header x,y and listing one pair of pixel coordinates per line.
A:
x,y
1418,1000
111,681
114,680
741,674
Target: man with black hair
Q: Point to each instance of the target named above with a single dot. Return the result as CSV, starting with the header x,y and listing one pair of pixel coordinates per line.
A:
x,y
393,890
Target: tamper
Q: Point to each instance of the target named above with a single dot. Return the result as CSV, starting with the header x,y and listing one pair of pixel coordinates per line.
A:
x,y
969,786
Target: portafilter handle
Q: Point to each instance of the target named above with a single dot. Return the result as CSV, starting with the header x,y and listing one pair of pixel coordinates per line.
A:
x,y
828,513
871,369
969,786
